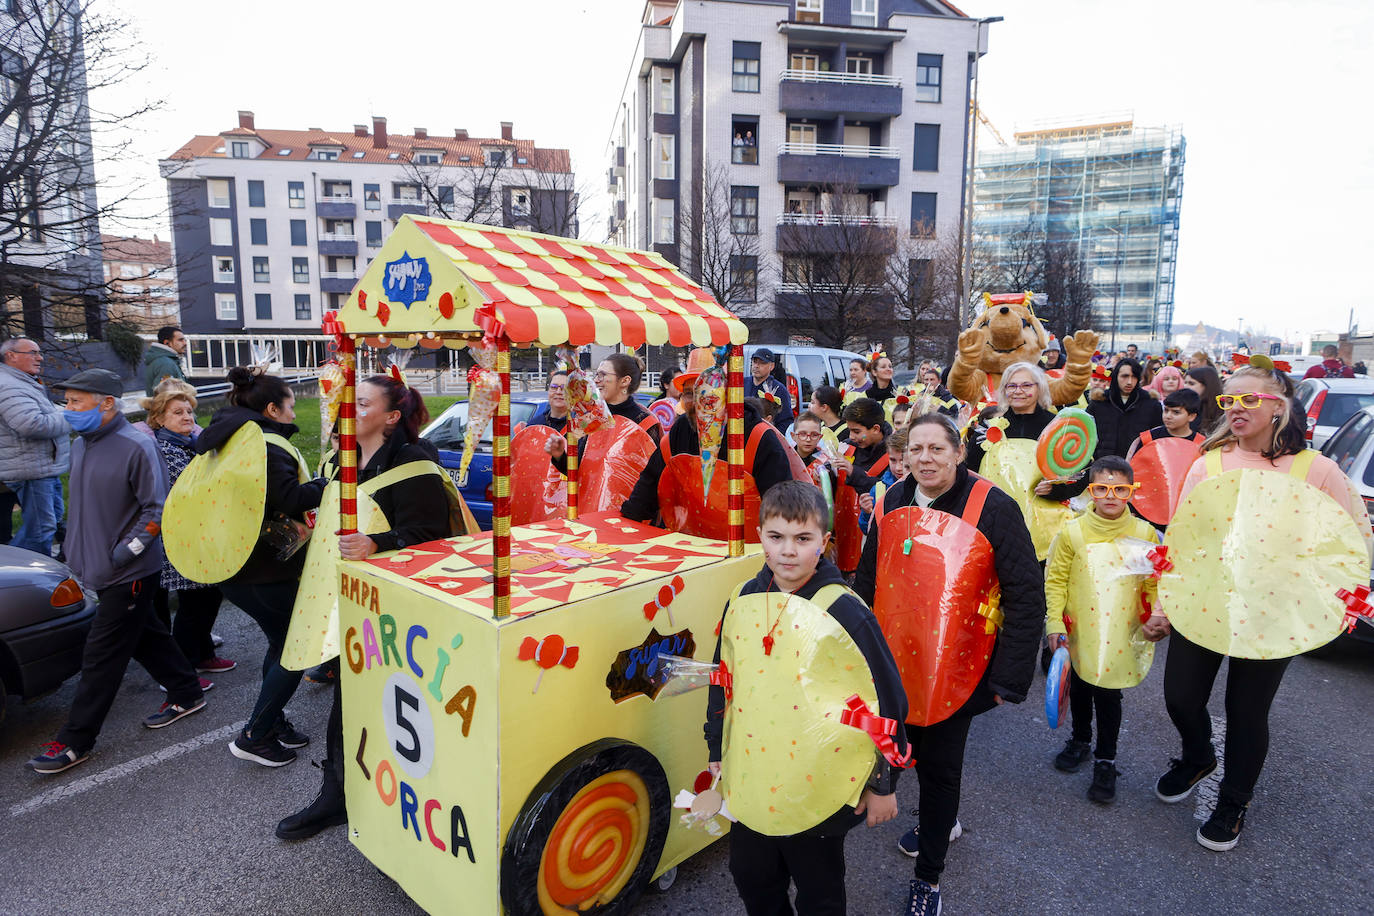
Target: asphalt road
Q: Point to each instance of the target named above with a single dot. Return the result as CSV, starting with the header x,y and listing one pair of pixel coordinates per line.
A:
x,y
168,822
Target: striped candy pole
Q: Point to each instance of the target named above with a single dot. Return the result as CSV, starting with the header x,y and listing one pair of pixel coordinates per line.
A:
x,y
500,517
572,472
734,439
348,442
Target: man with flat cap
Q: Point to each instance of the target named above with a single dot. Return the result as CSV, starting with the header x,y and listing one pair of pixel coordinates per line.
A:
x,y
117,488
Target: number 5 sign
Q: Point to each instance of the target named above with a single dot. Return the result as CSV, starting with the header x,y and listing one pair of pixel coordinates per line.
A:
x,y
409,724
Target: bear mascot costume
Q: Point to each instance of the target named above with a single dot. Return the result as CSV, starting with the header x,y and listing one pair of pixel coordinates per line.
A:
x,y
1008,332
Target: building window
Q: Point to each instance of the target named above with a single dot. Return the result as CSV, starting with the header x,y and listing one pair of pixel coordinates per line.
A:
x,y
801,134
664,91
744,210
927,148
919,280
744,278
496,157
328,155
298,232
128,271
295,195
257,231
808,11
428,157
261,271
665,158
224,270
218,189
221,232
744,142
520,203
303,307
863,12
804,62
372,197
262,306
405,192
300,270
226,306
744,71
444,195
861,66
238,149
796,271
923,214
256,197
374,233
928,67
664,222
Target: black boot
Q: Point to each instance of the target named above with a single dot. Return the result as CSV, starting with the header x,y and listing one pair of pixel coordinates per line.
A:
x,y
327,810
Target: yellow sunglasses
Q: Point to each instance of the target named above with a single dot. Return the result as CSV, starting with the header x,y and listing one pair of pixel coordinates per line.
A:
x,y
1250,400
1119,490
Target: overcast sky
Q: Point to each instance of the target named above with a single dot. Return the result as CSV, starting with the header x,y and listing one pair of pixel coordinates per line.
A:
x,y
1271,94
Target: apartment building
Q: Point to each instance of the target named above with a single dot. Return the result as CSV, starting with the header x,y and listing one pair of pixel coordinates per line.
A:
x,y
272,227
819,124
1113,187
140,281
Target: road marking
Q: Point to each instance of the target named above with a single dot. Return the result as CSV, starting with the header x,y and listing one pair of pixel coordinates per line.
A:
x,y
95,780
1208,790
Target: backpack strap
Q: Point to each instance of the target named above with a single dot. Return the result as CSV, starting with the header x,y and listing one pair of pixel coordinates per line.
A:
x,y
977,497
285,445
827,595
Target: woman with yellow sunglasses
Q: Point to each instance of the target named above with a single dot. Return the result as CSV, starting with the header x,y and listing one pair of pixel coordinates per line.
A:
x,y
1266,533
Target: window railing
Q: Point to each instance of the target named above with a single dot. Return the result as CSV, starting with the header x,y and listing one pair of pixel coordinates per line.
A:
x,y
831,76
345,198
833,219
338,237
794,287
840,149
338,275
408,201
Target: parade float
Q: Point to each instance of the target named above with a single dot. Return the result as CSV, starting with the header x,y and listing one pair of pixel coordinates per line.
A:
x,y
507,748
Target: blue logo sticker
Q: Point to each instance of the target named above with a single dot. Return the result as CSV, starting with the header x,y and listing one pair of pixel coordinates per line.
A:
x,y
407,280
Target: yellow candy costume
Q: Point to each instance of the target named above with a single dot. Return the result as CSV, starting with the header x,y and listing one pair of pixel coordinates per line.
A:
x,y
214,513
1010,465
1090,595
1258,557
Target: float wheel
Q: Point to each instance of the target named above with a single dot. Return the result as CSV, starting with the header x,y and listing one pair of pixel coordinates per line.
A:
x,y
590,835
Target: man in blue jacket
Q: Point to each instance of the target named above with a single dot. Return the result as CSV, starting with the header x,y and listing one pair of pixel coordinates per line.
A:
x,y
117,488
760,382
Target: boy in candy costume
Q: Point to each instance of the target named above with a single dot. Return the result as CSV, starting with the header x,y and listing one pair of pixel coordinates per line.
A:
x,y
793,815
1086,590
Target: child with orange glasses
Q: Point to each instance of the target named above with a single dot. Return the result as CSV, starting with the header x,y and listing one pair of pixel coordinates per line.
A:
x,y
1094,608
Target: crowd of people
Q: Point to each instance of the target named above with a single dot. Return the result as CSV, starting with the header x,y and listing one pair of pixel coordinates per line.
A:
x,y
832,483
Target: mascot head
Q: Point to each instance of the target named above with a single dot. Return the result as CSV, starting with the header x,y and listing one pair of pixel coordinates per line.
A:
x,y
1011,332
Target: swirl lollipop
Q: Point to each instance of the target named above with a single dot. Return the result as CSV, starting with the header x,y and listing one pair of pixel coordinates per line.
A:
x,y
1067,444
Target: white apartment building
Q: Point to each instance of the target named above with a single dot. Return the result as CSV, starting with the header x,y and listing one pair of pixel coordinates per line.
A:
x,y
270,228
812,116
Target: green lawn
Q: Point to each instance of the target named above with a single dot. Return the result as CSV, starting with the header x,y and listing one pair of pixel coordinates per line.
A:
x,y
308,419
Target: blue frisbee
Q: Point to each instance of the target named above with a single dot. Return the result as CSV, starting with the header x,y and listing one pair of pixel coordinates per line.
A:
x,y
1057,687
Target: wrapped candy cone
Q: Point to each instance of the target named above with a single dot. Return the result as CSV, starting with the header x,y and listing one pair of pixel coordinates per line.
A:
x,y
484,391
710,397
585,403
331,396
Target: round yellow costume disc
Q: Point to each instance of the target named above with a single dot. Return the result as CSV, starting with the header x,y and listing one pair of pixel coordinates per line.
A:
x,y
1011,467
213,516
787,762
1107,644
313,635
1258,557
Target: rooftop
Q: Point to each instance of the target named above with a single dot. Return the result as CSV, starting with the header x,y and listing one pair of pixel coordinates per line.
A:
x,y
132,248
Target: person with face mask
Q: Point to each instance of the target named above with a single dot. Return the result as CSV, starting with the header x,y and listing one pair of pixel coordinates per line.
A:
x,y
118,485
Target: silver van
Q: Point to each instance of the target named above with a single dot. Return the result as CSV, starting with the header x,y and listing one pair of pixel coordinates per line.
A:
x,y
804,369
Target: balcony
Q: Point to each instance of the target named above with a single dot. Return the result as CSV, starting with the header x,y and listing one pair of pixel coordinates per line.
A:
x,y
801,232
334,282
837,164
338,243
400,206
335,207
824,94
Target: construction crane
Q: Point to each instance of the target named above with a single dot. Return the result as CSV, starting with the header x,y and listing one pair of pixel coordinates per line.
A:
x,y
987,123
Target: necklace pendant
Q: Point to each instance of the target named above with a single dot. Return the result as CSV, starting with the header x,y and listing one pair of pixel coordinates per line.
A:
x,y
767,645
906,547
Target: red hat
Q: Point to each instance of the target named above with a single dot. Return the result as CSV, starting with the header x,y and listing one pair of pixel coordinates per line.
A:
x,y
1100,373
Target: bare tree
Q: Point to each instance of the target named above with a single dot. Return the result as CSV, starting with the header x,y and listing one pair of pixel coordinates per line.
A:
x,y
469,192
554,195
499,190
721,250
1068,288
923,280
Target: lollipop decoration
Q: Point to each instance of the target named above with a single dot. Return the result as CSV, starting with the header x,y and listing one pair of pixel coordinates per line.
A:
x,y
484,392
666,413
703,804
664,599
549,652
1067,444
710,396
588,408
1057,686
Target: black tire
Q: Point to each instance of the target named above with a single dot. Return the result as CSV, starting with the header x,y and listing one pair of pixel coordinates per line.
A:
x,y
625,777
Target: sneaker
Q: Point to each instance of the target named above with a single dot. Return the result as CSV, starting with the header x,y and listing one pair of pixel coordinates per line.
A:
x,y
170,712
216,665
1177,784
326,673
1103,789
1222,830
925,899
55,757
206,685
1073,756
910,840
216,640
267,752
287,736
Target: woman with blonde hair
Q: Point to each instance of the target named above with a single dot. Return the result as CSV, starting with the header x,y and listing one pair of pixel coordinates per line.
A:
x,y
1023,399
172,418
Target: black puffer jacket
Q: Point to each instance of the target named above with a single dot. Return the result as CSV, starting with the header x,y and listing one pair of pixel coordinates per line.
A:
x,y
1120,421
417,508
1012,666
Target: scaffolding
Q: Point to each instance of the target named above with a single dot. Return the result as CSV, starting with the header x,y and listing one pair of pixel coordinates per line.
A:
x,y
1113,188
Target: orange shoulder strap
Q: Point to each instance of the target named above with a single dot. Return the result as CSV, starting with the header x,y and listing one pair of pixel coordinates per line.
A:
x,y
664,450
1146,438
649,422
876,468
752,445
977,496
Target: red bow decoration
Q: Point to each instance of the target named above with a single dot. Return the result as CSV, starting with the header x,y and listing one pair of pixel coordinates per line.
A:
x,y
549,652
1100,373
876,355
1283,365
1159,559
857,714
1177,364
1240,359
1068,625
1356,606
722,678
841,392
903,399
770,396
330,327
395,373
1147,610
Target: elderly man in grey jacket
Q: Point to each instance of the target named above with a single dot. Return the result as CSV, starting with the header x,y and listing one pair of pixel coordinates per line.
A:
x,y
34,444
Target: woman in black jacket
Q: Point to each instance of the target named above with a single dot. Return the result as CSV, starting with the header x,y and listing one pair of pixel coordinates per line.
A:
x,y
389,420
937,480
617,378
1023,399
1124,411
265,587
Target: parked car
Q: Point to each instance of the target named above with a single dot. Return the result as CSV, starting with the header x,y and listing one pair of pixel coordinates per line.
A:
x,y
1352,448
804,369
1329,402
446,432
44,617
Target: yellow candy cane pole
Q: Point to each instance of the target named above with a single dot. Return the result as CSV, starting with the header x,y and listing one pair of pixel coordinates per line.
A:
x,y
734,437
348,443
500,518
572,470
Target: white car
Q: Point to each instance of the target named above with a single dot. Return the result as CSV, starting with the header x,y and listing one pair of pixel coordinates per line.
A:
x,y
1329,402
1352,448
